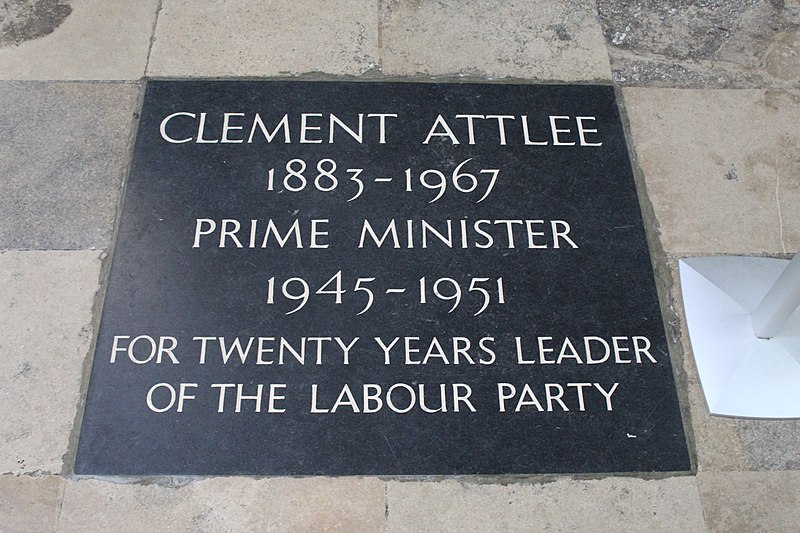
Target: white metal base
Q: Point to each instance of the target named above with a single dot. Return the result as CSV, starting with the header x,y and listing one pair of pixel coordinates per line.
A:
x,y
741,375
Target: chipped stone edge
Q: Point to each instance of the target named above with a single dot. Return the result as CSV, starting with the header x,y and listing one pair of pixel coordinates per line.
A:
x,y
376,75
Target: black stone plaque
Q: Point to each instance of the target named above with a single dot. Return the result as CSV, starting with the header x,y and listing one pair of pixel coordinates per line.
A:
x,y
380,278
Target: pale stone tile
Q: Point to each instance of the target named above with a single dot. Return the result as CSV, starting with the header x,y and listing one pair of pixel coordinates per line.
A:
x,y
227,504
285,504
274,37
750,501
45,315
95,40
712,167
539,39
771,444
612,504
30,503
62,160
721,44
102,506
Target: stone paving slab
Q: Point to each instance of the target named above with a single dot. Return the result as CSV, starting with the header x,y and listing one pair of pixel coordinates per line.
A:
x,y
30,503
713,44
278,37
720,167
46,303
64,153
226,504
75,40
613,504
771,444
751,501
538,40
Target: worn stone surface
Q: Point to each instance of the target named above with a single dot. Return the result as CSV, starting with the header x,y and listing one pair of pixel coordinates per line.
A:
x,y
771,444
750,501
227,504
23,20
46,301
616,504
708,44
30,503
75,40
538,40
720,168
272,38
63,156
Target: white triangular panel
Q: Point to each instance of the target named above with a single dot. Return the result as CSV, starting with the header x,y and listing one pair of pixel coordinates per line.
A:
x,y
741,375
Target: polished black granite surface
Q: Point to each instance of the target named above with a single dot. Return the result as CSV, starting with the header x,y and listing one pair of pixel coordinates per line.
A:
x,y
380,278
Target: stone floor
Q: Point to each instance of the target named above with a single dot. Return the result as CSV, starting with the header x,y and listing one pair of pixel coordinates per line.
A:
x,y
711,94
